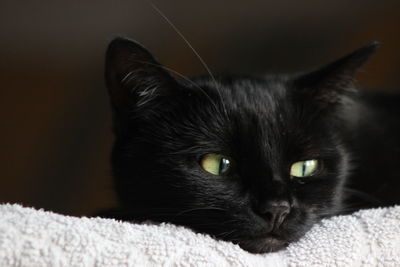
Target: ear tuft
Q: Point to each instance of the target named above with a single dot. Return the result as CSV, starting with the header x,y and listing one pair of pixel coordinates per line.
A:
x,y
132,74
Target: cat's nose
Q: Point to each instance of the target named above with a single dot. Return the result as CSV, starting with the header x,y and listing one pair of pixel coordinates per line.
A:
x,y
275,212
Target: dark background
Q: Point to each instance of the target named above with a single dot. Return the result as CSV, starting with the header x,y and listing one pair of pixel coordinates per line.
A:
x,y
55,133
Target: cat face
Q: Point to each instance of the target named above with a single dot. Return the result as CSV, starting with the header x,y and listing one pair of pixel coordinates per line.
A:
x,y
255,161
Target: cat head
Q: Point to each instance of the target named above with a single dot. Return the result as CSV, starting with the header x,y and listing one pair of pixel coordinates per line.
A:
x,y
256,161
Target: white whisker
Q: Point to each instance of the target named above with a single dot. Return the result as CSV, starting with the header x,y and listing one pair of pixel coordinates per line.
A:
x,y
193,50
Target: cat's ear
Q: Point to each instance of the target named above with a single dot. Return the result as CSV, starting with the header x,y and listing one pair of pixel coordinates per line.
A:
x,y
328,83
133,76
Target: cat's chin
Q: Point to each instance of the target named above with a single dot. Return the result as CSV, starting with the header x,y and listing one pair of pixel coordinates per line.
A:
x,y
263,244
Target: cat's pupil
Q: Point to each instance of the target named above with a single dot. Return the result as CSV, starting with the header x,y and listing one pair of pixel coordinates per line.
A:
x,y
303,171
224,165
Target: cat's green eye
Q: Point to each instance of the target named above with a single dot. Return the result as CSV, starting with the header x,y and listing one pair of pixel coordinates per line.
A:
x,y
216,164
304,168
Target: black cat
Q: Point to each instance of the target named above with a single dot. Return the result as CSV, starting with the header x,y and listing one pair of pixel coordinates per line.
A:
x,y
255,161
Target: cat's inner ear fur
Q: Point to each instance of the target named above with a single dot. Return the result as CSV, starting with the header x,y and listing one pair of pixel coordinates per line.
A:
x,y
327,84
133,76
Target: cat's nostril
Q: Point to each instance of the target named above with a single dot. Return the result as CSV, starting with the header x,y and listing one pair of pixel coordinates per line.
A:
x,y
268,216
275,213
282,216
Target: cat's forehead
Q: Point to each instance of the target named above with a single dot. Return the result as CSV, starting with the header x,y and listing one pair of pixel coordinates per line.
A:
x,y
250,84
260,105
264,108
258,94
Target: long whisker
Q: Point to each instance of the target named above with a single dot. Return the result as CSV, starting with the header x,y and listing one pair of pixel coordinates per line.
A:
x,y
193,50
226,234
184,39
197,209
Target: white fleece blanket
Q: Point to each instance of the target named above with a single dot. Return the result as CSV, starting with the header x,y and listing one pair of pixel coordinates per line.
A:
x,y
30,237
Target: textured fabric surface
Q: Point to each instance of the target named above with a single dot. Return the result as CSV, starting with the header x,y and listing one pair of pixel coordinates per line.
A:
x,y
30,237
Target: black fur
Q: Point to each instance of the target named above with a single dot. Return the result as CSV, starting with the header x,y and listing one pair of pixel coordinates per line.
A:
x,y
163,126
